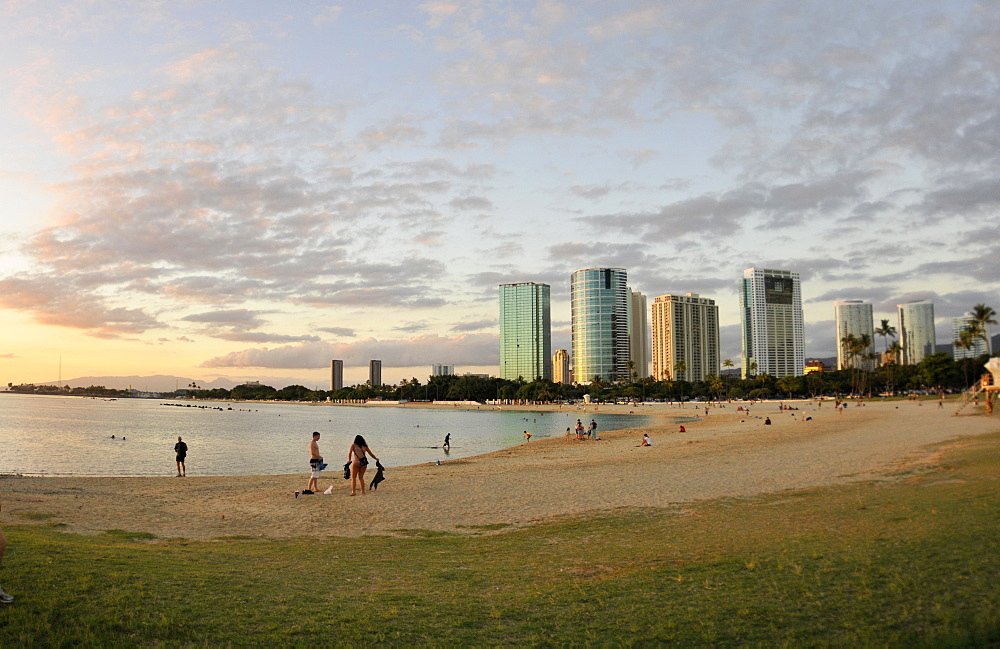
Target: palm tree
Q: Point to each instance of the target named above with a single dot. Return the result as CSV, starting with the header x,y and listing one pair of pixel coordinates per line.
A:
x,y
886,330
966,340
849,355
984,316
680,367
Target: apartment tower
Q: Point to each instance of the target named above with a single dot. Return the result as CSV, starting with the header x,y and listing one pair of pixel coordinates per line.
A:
x,y
854,317
979,346
375,373
600,302
336,375
525,332
685,337
771,317
638,332
916,330
560,367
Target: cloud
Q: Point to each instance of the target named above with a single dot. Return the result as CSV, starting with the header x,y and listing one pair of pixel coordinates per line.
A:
x,y
69,304
236,318
461,349
475,325
327,15
346,332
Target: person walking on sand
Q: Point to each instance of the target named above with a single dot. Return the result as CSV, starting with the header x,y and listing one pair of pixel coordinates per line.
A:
x,y
357,456
315,465
4,597
181,451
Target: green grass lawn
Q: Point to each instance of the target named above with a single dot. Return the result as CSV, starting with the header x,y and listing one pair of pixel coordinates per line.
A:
x,y
914,562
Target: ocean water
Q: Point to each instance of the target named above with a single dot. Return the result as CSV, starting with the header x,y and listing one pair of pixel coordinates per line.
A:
x,y
62,436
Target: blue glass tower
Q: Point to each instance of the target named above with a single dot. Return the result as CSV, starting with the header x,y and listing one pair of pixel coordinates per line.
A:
x,y
600,303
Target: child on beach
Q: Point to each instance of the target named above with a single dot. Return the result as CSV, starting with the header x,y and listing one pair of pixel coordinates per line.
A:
x,y
527,436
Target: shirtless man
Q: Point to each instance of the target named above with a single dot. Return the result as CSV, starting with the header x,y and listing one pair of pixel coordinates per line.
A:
x,y
315,461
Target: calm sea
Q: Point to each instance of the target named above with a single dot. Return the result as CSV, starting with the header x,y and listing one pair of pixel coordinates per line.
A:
x,y
41,435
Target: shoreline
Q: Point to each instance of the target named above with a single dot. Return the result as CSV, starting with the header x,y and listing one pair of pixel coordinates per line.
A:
x,y
727,454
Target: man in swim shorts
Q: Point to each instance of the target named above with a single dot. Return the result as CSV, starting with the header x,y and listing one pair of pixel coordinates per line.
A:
x,y
181,449
315,462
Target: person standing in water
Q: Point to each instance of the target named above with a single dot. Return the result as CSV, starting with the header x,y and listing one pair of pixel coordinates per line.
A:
x,y
447,441
357,455
181,449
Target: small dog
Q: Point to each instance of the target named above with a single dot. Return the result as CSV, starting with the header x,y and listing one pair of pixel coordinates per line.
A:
x,y
379,476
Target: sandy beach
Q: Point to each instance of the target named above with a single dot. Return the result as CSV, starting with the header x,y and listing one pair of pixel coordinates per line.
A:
x,y
725,454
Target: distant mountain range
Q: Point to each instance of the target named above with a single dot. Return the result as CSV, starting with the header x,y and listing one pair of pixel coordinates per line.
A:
x,y
166,383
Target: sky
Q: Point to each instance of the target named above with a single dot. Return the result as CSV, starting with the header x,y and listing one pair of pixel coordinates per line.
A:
x,y
251,189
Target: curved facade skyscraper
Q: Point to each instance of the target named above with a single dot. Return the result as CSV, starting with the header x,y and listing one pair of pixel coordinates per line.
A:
x,y
600,305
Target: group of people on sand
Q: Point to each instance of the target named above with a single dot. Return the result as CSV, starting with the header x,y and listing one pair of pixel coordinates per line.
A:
x,y
581,434
357,464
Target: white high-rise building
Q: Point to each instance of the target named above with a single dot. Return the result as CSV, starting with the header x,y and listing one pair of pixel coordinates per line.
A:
x,y
685,337
916,330
771,315
638,332
438,369
979,346
854,317
560,367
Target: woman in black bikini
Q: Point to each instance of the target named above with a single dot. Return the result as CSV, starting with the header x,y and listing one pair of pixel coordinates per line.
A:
x,y
357,456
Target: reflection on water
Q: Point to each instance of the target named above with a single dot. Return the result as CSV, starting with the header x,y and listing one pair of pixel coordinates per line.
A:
x,y
73,436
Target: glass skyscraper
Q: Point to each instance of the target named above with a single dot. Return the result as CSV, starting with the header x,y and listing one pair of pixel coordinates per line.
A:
x,y
525,332
600,304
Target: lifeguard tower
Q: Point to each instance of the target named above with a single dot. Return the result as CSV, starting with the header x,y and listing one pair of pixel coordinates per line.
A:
x,y
989,386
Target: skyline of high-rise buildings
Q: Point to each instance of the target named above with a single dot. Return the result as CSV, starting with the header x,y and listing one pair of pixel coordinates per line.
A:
x,y
916,330
599,299
525,331
685,337
854,318
772,323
